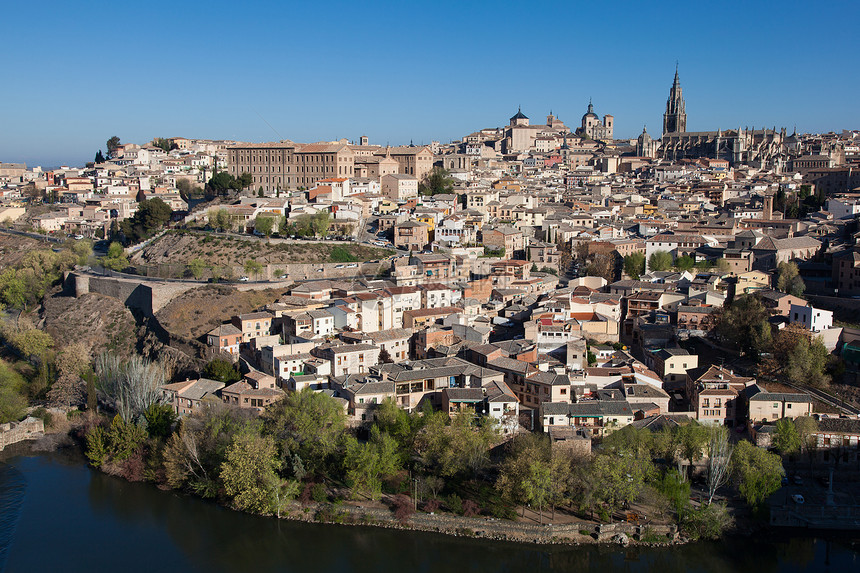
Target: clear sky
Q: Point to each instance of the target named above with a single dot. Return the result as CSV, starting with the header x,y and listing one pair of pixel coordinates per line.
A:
x,y
76,73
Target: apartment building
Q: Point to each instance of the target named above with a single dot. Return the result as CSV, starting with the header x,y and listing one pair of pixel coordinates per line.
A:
x,y
288,165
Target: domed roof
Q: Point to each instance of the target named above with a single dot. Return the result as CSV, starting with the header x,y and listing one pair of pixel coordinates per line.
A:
x,y
590,112
644,136
520,115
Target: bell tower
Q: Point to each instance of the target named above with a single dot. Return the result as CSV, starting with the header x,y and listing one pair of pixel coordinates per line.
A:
x,y
675,118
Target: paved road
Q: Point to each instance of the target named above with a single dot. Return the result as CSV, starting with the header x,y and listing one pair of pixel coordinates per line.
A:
x,y
46,238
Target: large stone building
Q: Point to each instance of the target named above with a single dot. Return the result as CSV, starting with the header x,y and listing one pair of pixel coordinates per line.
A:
x,y
764,147
594,128
289,165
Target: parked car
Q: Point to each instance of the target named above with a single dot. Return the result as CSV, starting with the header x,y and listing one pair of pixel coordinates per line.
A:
x,y
340,266
798,480
283,276
352,266
243,279
798,499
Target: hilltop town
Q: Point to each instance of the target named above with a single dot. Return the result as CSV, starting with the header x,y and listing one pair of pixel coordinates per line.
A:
x,y
535,277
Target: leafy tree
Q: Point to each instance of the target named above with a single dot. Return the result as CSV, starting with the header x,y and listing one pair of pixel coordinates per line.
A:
x,y
252,267
221,370
265,224
675,489
745,324
220,219
806,427
321,223
112,145
756,472
116,258
100,158
249,472
309,424
13,404
621,477
151,215
458,447
366,465
634,265
436,181
13,289
660,261
159,420
163,144
133,384
245,180
786,440
788,279
692,439
220,183
537,485
707,521
197,266
684,263
602,265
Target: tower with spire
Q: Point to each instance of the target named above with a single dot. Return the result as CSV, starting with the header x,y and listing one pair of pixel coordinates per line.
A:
x,y
675,118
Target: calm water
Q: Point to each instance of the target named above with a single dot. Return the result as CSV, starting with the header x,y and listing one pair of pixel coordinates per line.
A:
x,y
58,515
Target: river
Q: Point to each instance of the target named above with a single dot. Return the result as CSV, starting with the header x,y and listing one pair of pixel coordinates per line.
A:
x,y
56,514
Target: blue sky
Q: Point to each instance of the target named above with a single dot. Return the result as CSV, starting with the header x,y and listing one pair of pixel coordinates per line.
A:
x,y
397,72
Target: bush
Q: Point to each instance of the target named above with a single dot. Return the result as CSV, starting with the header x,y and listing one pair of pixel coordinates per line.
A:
x,y
454,503
470,508
318,493
432,506
707,522
44,415
402,507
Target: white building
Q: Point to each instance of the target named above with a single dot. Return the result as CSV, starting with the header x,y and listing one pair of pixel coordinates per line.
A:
x,y
811,318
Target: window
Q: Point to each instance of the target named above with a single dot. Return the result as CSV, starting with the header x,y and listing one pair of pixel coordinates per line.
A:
x,y
788,406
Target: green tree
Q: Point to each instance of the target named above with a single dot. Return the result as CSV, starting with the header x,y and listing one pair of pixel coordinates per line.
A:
x,y
100,158
622,477
745,324
806,426
112,145
684,263
151,215
320,223
163,144
692,439
366,465
220,183
13,403
436,181
249,472
788,279
634,265
675,489
197,266
252,267
221,370
756,472
116,258
264,224
786,440
245,180
309,424
159,420
660,261
537,485
13,289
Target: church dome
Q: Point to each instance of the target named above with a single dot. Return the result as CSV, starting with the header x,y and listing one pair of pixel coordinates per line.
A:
x,y
644,137
520,115
590,112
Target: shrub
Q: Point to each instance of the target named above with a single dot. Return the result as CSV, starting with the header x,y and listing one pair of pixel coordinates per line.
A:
x,y
318,493
402,507
44,415
454,503
470,508
432,505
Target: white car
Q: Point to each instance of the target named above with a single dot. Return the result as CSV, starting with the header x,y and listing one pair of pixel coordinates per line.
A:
x,y
283,276
243,279
352,266
340,266
798,499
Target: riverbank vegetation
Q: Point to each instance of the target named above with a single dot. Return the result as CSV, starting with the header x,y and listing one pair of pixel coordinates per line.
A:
x,y
301,449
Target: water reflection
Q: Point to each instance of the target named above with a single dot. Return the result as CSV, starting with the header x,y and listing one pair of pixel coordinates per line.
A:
x,y
75,519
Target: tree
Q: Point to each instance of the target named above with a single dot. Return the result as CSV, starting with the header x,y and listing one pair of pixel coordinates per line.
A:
x,y
252,267
309,424
385,357
116,258
634,265
436,181
685,263
692,439
602,265
806,427
622,477
159,420
221,370
756,472
13,404
719,459
151,215
660,261
365,465
321,222
264,224
163,144
112,145
249,472
100,158
786,439
133,384
220,219
220,183
788,279
537,485
245,180
72,362
745,324
197,266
